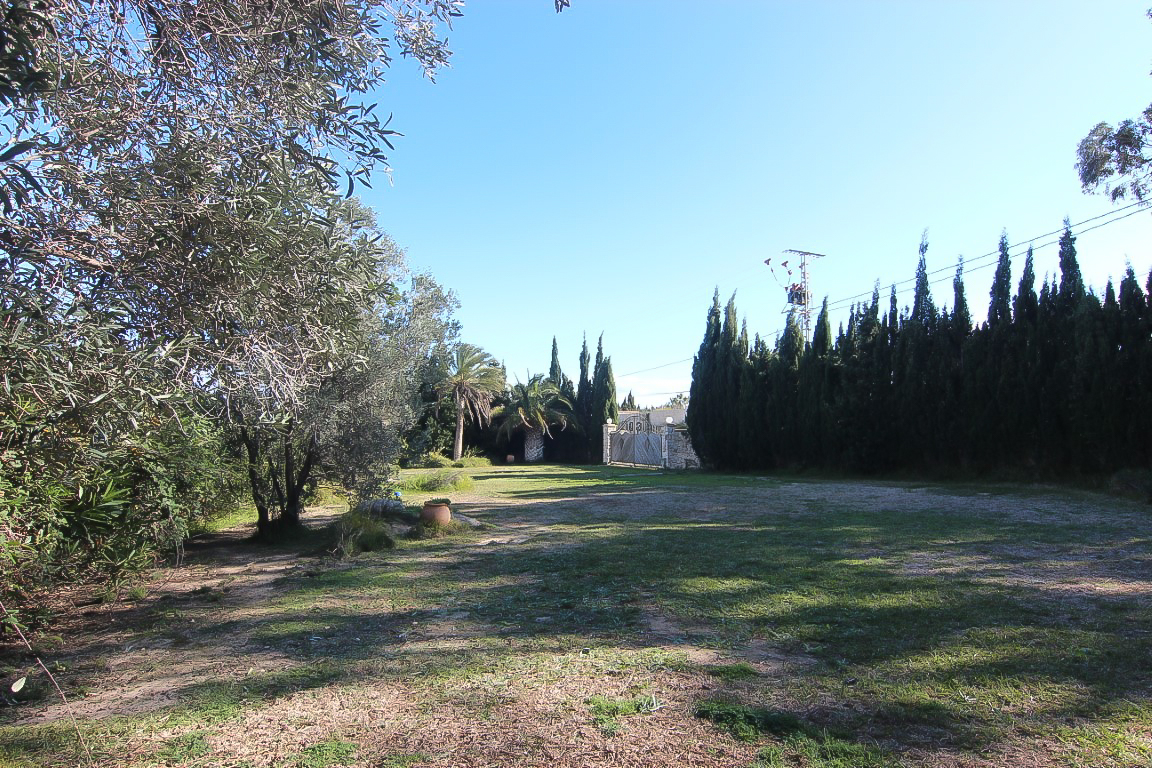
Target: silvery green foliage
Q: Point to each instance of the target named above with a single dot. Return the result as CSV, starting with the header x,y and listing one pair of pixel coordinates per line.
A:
x,y
176,242
1115,159
180,162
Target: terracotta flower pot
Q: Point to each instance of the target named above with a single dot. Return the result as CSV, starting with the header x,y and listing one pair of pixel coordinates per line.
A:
x,y
437,513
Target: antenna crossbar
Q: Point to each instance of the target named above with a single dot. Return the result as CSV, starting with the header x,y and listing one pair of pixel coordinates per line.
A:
x,y
800,294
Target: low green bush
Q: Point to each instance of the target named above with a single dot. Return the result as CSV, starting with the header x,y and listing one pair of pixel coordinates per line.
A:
x,y
472,459
357,532
433,461
441,480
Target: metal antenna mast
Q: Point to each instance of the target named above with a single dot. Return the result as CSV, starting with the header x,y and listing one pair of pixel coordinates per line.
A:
x,y
800,294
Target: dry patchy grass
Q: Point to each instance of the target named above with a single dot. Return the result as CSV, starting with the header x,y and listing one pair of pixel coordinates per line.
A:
x,y
629,618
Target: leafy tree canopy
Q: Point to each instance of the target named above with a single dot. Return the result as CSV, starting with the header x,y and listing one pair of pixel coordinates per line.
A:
x,y
1115,159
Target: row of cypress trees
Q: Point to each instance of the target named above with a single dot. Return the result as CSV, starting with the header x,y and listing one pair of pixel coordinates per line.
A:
x,y
1052,383
593,399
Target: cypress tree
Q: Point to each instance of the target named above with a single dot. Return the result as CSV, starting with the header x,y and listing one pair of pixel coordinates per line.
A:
x,y
1052,348
864,389
1134,350
584,399
822,336
1071,282
911,371
893,317
790,345
585,380
702,426
999,310
781,378
628,403
754,450
984,425
1064,354
1114,389
813,408
1021,432
1086,409
923,310
603,404
555,374
952,372
961,316
730,362
1025,304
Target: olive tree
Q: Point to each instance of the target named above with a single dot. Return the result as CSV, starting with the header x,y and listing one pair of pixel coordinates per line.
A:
x,y
173,244
346,423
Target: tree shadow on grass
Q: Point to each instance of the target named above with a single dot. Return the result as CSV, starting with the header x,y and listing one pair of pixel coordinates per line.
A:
x,y
899,652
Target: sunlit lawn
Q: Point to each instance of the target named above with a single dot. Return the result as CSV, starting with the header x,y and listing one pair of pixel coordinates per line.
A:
x,y
847,633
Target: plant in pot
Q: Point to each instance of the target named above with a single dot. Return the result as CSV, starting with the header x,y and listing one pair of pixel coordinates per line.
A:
x,y
436,511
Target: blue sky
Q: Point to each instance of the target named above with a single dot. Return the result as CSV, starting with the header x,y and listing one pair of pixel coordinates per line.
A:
x,y
605,169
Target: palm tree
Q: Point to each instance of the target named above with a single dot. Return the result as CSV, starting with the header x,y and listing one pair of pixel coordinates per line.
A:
x,y
474,378
535,407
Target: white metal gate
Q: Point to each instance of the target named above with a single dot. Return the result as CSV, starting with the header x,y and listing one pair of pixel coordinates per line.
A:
x,y
636,448
635,441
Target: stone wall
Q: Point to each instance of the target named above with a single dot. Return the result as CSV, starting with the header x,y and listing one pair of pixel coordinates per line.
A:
x,y
678,453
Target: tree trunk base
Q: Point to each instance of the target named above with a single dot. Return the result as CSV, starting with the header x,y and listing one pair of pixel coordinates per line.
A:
x,y
280,530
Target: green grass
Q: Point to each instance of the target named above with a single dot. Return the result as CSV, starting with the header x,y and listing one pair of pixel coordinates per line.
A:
x,y
731,672
184,750
847,633
606,712
431,481
750,723
242,516
325,754
403,761
36,745
553,481
824,751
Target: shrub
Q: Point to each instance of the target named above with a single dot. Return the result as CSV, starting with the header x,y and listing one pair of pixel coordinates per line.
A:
x,y
469,462
357,532
472,458
434,461
442,480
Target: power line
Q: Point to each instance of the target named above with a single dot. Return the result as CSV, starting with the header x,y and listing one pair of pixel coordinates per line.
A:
x,y
1034,248
1020,248
654,368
